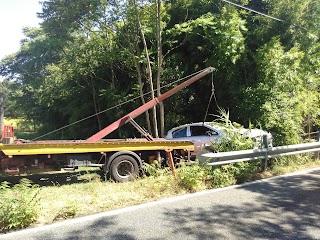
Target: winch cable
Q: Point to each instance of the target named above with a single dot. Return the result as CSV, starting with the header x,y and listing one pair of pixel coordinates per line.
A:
x,y
118,105
210,99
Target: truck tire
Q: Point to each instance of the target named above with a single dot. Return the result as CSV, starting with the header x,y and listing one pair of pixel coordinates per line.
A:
x,y
124,168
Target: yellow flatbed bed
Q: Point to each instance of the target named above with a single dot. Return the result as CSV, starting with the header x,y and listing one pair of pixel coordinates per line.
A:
x,y
78,146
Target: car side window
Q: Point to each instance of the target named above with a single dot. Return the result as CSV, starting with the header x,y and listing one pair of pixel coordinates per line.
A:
x,y
182,132
202,131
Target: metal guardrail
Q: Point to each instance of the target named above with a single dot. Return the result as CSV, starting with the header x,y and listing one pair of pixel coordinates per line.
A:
x,y
223,158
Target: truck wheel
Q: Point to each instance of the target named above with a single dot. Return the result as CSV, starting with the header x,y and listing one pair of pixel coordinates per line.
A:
x,y
124,168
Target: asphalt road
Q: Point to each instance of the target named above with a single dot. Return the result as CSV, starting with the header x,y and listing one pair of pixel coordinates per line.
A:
x,y
285,207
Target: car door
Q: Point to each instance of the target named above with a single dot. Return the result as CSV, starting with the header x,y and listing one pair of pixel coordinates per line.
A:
x,y
202,136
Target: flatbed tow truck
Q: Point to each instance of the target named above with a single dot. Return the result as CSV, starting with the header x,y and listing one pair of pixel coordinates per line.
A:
x,y
120,159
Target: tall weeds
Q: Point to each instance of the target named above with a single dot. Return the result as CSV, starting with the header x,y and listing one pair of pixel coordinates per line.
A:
x,y
19,206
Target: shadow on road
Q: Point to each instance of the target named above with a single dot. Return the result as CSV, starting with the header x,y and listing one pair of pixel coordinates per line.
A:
x,y
87,232
293,203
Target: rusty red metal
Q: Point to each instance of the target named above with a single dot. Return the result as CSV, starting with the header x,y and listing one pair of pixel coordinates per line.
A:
x,y
170,160
120,122
7,131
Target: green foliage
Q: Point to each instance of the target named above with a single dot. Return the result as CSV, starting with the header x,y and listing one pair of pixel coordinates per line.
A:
x,y
191,178
18,205
200,176
281,95
244,171
221,176
87,55
230,174
292,160
285,92
283,165
214,39
233,140
155,169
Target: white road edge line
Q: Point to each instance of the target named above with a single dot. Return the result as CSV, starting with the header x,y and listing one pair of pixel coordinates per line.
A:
x,y
154,203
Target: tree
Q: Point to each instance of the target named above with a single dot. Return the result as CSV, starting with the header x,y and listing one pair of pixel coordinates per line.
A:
x,y
91,55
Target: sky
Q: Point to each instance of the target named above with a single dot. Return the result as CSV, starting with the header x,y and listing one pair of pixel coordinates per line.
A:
x,y
14,15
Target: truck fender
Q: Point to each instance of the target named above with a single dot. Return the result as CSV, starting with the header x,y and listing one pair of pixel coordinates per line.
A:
x,y
117,154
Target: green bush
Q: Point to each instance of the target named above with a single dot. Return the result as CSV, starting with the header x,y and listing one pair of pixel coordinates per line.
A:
x,y
222,176
18,205
197,177
233,141
243,171
154,169
192,178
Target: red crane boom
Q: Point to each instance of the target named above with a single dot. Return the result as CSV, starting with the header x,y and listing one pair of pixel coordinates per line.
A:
x,y
120,122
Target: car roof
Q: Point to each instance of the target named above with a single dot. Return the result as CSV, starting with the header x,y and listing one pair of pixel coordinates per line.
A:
x,y
210,124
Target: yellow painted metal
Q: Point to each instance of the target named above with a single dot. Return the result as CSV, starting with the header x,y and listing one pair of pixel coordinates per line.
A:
x,y
85,147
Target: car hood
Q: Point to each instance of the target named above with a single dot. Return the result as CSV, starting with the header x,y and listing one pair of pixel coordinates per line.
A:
x,y
254,133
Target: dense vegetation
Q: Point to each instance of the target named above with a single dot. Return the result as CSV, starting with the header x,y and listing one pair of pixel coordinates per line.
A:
x,y
24,204
91,55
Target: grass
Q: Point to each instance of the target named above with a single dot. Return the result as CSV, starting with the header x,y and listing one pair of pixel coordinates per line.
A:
x,y
19,205
62,202
294,163
93,195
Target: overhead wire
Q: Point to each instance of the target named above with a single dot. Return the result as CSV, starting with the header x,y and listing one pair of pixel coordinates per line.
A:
x,y
263,14
249,9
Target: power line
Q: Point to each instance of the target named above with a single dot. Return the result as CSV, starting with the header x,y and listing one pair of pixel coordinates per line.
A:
x,y
249,9
263,14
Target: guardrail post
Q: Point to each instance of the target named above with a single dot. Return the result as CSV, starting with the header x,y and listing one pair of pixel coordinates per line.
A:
x,y
316,154
265,145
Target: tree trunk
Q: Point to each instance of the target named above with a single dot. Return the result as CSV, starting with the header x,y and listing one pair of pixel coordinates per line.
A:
x,y
141,94
159,63
94,99
149,72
